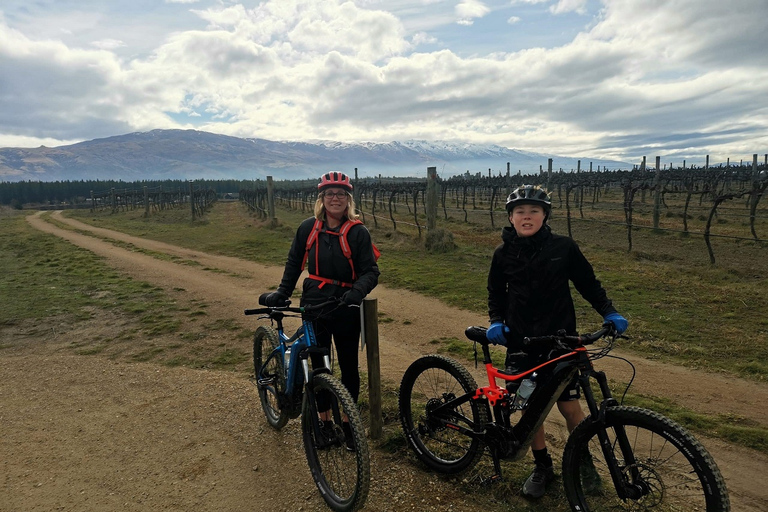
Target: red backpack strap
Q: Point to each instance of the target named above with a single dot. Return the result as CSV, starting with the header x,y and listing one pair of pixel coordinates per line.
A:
x,y
345,248
311,239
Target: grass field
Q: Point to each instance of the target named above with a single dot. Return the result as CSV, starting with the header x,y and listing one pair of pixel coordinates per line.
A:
x,y
681,309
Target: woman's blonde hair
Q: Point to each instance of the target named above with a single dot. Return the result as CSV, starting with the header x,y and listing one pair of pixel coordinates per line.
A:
x,y
320,207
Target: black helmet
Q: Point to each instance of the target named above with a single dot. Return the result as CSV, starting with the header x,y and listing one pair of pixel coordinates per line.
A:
x,y
529,194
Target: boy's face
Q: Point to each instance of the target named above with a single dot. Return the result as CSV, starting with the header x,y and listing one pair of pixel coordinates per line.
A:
x,y
527,219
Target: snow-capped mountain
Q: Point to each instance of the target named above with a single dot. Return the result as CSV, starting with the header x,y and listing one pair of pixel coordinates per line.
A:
x,y
191,154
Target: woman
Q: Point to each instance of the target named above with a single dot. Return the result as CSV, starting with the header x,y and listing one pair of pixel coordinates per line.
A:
x,y
319,243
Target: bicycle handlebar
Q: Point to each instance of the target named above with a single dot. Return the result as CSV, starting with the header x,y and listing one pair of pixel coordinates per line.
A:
x,y
571,341
288,309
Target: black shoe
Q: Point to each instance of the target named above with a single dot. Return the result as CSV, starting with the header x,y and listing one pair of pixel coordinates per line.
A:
x,y
536,485
349,439
328,435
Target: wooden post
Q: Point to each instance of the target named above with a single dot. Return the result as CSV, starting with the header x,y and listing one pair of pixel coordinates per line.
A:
x,y
192,199
657,191
549,173
755,196
356,196
93,203
371,341
577,195
431,198
271,201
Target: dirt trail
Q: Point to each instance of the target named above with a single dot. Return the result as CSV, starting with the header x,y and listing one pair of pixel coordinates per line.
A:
x,y
416,321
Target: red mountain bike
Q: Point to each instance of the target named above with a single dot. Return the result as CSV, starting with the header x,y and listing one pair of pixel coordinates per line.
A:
x,y
644,460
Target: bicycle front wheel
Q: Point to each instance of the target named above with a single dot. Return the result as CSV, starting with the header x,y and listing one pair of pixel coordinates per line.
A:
x,y
337,451
270,377
428,383
662,466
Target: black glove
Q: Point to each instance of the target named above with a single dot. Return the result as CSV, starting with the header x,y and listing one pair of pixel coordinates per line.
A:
x,y
352,297
274,299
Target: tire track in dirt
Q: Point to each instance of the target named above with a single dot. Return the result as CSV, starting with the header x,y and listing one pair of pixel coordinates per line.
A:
x,y
417,320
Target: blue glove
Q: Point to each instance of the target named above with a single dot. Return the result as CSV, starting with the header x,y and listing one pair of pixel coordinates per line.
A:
x,y
495,333
618,321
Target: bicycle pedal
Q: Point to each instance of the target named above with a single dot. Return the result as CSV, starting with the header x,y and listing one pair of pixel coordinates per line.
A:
x,y
493,479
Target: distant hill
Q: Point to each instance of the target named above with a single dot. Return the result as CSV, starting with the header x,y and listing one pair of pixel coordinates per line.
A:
x,y
191,154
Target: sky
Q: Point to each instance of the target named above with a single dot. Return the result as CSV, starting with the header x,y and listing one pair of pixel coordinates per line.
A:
x,y
618,79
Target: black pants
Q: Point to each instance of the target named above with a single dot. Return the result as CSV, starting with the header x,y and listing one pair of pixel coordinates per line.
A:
x,y
343,325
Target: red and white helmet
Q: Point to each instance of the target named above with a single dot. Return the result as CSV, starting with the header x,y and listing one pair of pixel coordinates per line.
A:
x,y
334,179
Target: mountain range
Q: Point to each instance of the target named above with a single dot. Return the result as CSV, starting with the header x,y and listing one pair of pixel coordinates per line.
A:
x,y
191,154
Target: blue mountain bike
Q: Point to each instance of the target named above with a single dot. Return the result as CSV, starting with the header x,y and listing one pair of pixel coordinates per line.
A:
x,y
332,430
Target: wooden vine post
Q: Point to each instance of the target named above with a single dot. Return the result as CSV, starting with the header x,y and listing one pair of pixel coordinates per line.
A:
x,y
431,198
271,201
754,197
657,194
549,174
192,199
371,341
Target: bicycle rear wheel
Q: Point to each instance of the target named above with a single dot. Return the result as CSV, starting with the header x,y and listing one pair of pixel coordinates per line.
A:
x,y
270,378
666,467
429,382
338,458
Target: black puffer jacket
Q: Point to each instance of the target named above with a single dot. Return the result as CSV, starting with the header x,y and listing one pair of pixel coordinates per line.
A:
x,y
528,284
332,264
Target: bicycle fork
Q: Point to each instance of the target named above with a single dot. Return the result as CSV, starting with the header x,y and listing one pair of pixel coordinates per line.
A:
x,y
626,488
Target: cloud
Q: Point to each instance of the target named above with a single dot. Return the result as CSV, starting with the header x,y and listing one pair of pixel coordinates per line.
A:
x,y
50,91
422,38
108,44
668,75
565,6
468,10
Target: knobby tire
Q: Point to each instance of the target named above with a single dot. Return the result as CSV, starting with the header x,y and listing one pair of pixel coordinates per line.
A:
x,y
428,382
270,379
675,472
342,476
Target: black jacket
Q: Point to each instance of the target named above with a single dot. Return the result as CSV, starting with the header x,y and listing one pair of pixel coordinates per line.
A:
x,y
528,284
332,264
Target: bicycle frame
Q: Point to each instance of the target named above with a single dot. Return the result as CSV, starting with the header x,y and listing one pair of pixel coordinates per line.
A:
x,y
301,344
507,441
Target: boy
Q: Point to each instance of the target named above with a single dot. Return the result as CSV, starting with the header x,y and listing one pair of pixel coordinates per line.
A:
x,y
529,295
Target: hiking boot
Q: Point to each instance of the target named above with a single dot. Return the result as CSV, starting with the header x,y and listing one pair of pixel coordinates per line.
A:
x,y
536,485
349,439
591,483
